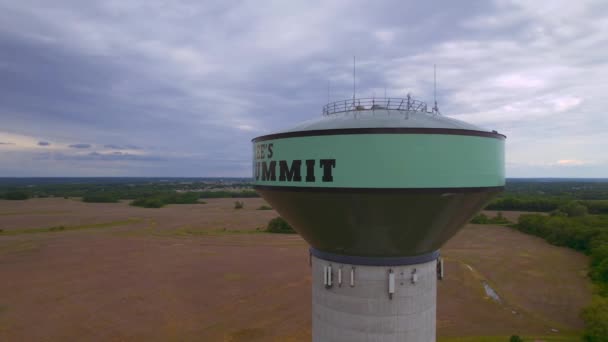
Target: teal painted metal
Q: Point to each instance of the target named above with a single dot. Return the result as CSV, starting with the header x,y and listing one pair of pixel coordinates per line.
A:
x,y
384,161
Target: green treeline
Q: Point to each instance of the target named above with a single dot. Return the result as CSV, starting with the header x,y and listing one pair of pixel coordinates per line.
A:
x,y
228,194
545,195
166,197
544,204
100,197
160,200
570,226
16,195
143,194
482,218
574,189
124,189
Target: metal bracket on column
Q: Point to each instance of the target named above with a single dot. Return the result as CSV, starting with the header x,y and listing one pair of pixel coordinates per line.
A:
x,y
391,283
327,275
309,258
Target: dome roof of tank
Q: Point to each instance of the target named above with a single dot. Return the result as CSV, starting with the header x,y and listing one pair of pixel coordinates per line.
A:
x,y
382,118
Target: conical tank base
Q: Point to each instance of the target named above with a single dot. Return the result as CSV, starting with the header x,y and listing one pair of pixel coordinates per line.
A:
x,y
354,302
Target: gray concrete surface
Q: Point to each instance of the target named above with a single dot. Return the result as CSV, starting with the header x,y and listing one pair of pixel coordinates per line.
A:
x,y
365,311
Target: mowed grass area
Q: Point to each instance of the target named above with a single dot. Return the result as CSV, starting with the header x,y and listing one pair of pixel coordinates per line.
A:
x,y
574,338
207,272
67,228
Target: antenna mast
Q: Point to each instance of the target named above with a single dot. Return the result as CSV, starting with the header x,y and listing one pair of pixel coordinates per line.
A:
x,y
354,79
435,108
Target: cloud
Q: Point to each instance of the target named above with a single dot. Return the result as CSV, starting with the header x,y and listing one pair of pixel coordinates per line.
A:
x,y
116,156
246,128
80,146
44,143
190,84
63,157
385,36
517,81
6,143
571,162
121,147
567,103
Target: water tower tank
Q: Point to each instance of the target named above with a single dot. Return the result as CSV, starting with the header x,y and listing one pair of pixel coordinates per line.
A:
x,y
376,187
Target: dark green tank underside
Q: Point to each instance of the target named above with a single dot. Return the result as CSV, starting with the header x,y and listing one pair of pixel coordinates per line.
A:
x,y
377,224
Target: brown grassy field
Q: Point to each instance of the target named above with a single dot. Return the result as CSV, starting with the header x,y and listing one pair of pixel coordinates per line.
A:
x,y
205,272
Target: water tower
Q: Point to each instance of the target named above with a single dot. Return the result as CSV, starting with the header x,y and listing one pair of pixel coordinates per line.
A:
x,y
376,187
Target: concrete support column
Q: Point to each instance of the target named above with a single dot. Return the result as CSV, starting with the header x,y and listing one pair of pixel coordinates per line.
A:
x,y
354,302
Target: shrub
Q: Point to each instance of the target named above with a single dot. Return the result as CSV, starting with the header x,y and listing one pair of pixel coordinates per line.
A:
x,y
239,205
525,203
16,195
516,338
279,225
264,207
484,219
480,219
558,213
499,219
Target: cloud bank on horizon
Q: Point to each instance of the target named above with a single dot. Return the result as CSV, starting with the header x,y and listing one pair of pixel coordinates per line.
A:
x,y
150,88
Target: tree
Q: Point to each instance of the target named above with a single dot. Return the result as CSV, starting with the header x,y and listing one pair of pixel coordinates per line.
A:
x,y
574,209
596,321
600,272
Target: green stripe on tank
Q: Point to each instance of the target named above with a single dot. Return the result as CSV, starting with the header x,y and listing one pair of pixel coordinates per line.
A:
x,y
381,161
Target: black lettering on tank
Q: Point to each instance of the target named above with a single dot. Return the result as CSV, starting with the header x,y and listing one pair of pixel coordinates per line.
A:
x,y
293,174
310,170
327,165
269,171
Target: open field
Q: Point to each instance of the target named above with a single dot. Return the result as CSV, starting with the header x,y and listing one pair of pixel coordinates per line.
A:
x,y
203,272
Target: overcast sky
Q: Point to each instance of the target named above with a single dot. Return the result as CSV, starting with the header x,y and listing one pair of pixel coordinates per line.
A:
x,y
179,88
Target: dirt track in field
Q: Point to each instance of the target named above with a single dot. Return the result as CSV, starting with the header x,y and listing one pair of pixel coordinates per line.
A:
x,y
203,272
